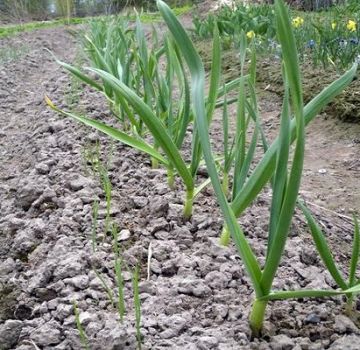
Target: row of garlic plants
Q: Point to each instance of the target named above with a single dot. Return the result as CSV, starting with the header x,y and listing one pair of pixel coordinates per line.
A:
x,y
156,90
151,103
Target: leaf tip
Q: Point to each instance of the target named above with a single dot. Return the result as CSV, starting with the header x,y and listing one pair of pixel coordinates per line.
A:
x,y
49,102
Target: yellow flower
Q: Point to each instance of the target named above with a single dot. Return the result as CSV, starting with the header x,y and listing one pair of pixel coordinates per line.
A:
x,y
333,25
298,22
250,34
351,25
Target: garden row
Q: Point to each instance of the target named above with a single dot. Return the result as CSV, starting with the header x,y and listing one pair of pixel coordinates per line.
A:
x,y
155,87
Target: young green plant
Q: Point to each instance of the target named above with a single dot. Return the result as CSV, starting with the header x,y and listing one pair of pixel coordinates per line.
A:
x,y
83,338
327,257
118,273
247,111
286,183
165,122
137,305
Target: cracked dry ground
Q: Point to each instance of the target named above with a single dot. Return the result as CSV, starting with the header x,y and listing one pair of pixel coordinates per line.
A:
x,y
198,295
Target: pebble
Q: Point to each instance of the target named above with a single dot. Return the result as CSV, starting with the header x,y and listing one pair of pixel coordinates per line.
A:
x,y
139,202
71,265
147,287
124,235
173,325
64,311
86,317
217,280
312,319
157,225
7,266
42,168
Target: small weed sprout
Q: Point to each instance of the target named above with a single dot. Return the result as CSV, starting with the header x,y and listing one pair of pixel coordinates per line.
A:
x,y
82,334
118,264
137,305
95,216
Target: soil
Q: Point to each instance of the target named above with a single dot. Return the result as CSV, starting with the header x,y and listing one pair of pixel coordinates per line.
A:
x,y
197,295
345,106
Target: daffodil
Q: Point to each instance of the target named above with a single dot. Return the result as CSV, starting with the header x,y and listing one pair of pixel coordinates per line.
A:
x,y
250,34
351,25
333,25
298,22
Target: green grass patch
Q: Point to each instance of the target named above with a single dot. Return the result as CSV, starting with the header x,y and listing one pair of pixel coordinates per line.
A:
x,y
11,30
149,17
146,17
11,53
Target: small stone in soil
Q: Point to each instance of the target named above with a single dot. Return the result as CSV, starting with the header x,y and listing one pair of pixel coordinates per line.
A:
x,y
42,168
312,319
124,235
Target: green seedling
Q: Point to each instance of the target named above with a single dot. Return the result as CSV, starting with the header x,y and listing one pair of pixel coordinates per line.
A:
x,y
83,338
142,92
107,289
95,212
118,273
137,305
327,257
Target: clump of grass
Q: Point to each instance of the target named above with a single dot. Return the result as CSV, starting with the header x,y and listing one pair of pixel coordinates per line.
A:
x,y
140,95
10,30
12,53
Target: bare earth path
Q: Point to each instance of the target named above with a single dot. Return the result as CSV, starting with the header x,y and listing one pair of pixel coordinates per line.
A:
x,y
198,294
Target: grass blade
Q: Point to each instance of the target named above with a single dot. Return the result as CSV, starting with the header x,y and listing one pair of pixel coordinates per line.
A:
x,y
112,132
155,126
137,305
355,253
280,176
308,293
323,248
80,75
83,338
212,97
292,71
265,169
